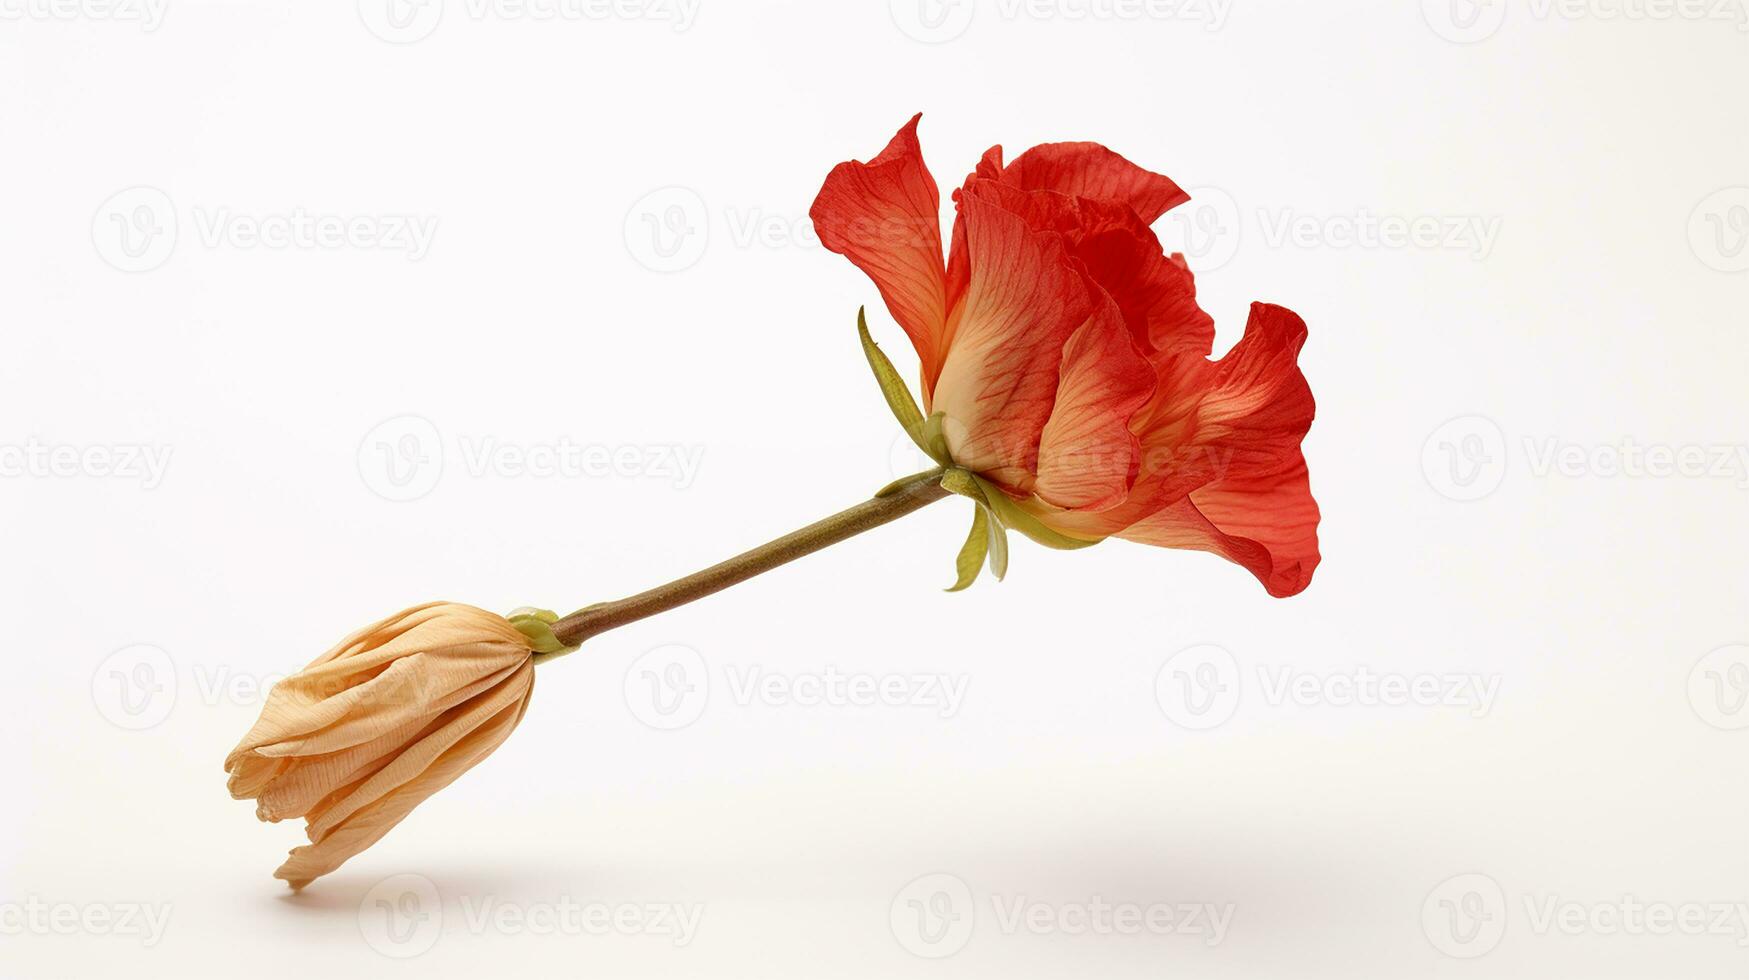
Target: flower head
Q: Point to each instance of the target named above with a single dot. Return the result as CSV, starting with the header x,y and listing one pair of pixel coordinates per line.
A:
x,y
1068,362
394,713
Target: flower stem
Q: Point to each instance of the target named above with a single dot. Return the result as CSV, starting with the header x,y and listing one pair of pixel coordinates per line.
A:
x,y
892,503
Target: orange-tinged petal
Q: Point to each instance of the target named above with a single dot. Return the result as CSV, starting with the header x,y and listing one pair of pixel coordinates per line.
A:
x,y
388,716
1090,170
885,217
1263,518
423,752
1241,445
959,263
303,782
1088,457
1221,467
1120,253
369,824
376,680
999,380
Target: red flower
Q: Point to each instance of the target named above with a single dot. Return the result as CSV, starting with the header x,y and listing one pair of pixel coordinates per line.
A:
x,y
1069,360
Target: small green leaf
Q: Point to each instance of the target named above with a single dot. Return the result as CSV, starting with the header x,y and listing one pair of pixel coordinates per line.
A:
x,y
971,557
913,481
1011,515
893,387
536,626
962,482
998,546
933,438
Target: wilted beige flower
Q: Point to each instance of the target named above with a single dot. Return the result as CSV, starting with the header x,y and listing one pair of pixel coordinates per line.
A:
x,y
394,713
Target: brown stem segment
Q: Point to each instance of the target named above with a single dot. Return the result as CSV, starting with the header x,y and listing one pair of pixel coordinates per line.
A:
x,y
903,497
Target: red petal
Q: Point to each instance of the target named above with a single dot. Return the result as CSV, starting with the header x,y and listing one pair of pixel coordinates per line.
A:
x,y
999,379
959,269
1087,454
1091,170
885,217
1120,253
1265,520
1257,509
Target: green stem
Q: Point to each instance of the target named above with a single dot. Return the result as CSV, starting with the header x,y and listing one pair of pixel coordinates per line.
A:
x,y
892,503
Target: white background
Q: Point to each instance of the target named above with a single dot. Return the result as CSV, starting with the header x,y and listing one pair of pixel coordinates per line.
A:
x,y
621,258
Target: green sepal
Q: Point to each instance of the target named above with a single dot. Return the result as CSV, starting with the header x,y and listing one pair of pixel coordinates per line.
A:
x,y
537,626
998,546
932,438
1013,516
962,482
971,556
893,388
